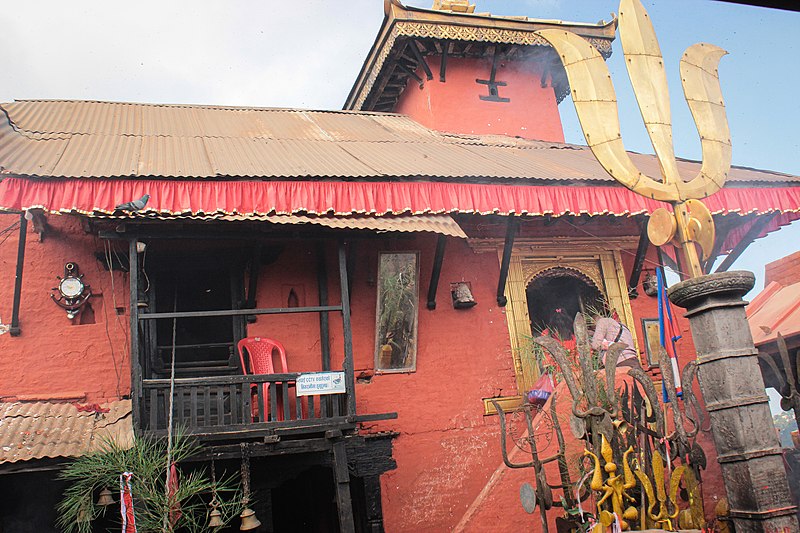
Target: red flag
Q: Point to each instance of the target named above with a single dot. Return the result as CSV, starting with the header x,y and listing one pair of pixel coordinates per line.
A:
x,y
172,489
126,503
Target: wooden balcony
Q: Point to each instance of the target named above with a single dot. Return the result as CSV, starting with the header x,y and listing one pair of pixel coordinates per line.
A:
x,y
237,407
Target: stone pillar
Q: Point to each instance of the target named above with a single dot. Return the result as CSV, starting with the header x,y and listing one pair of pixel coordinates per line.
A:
x,y
747,444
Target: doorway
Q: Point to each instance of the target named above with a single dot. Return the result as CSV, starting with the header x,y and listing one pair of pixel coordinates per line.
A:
x,y
560,290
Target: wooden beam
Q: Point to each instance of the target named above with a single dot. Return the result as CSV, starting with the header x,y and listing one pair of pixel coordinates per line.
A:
x,y
751,235
724,225
135,355
14,329
666,261
511,229
324,320
437,271
241,312
410,73
252,286
342,479
377,90
443,63
638,262
349,377
420,59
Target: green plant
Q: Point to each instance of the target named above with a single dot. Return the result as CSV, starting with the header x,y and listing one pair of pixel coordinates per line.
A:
x,y
91,473
398,306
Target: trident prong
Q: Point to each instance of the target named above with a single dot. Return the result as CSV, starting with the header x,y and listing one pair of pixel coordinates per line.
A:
x,y
596,105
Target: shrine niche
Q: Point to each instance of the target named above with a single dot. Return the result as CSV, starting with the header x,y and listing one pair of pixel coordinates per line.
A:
x,y
561,290
540,269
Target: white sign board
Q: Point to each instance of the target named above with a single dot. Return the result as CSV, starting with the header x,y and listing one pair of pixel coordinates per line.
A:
x,y
320,383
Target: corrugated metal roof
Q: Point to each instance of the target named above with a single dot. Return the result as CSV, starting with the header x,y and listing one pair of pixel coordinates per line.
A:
x,y
45,138
35,430
441,224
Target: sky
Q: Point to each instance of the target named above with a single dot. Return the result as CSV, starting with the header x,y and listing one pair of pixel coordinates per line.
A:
x,y
306,54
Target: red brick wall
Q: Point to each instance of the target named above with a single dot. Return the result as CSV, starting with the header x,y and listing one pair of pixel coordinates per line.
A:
x,y
785,271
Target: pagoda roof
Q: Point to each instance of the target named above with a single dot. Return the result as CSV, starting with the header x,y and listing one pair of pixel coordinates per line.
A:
x,y
90,139
432,31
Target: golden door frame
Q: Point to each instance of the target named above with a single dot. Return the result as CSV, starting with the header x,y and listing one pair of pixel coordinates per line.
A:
x,y
599,261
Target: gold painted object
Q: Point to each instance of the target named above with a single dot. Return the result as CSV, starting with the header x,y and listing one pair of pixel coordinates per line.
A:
x,y
596,105
661,227
667,503
615,488
458,6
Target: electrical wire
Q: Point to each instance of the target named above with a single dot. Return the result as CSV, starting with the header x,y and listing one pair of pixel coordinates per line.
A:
x,y
105,323
632,254
8,232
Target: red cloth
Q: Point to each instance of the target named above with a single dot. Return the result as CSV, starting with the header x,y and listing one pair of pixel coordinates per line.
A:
x,y
172,488
337,197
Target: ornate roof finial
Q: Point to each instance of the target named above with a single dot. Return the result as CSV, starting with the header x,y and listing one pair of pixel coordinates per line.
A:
x,y
457,6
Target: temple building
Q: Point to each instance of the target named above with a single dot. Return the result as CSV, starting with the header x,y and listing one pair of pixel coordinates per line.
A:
x,y
403,251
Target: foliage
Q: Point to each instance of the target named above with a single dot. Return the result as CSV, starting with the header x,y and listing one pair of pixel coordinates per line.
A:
x,y
398,306
91,473
785,423
532,352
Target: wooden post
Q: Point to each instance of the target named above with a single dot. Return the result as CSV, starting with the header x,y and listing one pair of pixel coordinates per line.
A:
x,y
349,377
437,271
507,248
341,474
14,329
136,367
750,236
641,252
324,324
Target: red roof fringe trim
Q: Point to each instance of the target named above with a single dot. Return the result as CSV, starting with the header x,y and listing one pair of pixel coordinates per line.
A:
x,y
173,197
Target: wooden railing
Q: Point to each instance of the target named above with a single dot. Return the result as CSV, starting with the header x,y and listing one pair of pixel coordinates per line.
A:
x,y
239,406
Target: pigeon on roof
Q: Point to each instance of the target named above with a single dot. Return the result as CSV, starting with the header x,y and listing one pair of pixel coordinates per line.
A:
x,y
135,205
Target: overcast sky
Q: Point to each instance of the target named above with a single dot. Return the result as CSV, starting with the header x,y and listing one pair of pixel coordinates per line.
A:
x,y
306,54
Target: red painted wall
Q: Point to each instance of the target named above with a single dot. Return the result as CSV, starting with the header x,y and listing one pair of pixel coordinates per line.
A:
x,y
454,106
449,472
54,357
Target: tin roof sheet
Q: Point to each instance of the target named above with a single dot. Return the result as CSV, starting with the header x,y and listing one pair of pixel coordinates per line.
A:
x,y
775,310
86,139
441,224
36,430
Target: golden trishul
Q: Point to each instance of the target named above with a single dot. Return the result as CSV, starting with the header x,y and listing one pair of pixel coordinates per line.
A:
x,y
596,106
614,488
665,516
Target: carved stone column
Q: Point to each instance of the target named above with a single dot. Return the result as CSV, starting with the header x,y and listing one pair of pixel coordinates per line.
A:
x,y
747,444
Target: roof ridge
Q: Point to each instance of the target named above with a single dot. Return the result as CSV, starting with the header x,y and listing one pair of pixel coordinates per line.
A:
x,y
204,106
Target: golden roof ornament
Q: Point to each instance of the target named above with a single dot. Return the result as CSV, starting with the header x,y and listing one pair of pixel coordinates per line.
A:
x,y
596,106
457,6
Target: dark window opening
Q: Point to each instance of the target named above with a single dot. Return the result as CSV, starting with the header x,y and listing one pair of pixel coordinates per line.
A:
x,y
563,291
187,283
306,503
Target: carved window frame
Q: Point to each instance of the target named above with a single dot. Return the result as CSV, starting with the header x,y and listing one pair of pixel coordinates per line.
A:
x,y
599,261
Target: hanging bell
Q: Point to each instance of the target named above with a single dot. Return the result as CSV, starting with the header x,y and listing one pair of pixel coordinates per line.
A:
x,y
249,520
215,518
105,499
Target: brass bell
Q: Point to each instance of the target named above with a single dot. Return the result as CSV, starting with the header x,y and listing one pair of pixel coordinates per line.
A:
x,y
249,520
105,499
215,518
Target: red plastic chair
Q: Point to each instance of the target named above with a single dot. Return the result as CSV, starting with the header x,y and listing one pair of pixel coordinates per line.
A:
x,y
260,353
